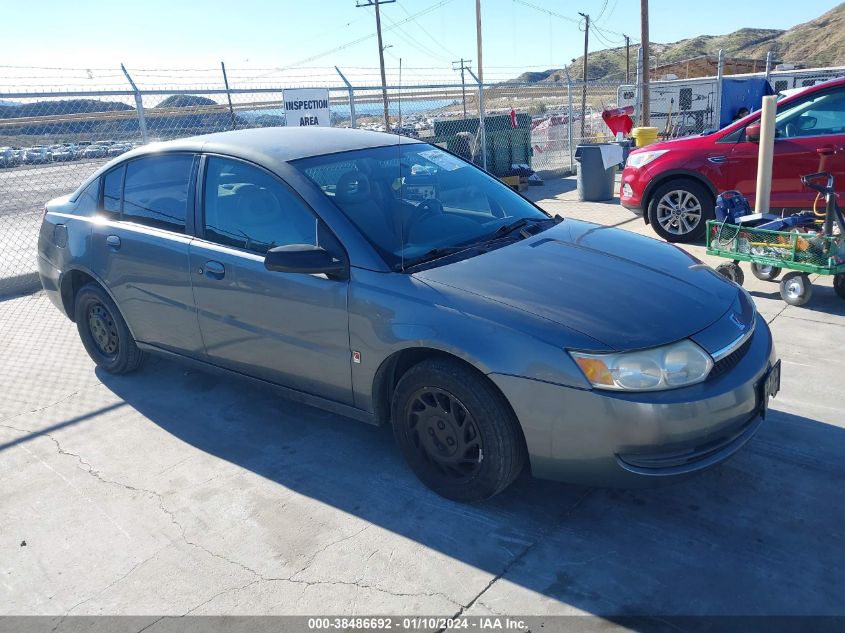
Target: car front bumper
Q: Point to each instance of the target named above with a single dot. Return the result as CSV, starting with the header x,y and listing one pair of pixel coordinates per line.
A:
x,y
606,438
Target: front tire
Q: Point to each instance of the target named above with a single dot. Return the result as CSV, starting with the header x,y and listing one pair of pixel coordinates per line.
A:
x,y
679,209
456,431
104,333
839,285
795,288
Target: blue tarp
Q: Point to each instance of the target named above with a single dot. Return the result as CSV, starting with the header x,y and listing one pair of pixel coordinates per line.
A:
x,y
742,93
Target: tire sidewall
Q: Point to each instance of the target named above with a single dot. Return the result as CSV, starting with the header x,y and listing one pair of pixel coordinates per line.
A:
x,y
489,413
87,296
705,199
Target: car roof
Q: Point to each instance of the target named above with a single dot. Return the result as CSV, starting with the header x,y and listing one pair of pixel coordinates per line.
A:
x,y
271,145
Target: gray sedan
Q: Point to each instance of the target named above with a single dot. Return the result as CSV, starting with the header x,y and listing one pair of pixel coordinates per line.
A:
x,y
387,280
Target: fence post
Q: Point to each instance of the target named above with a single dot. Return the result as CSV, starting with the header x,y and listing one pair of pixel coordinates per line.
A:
x,y
352,122
768,65
229,96
139,106
720,71
482,126
569,120
638,94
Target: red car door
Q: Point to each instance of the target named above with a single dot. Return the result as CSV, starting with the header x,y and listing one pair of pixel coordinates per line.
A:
x,y
810,137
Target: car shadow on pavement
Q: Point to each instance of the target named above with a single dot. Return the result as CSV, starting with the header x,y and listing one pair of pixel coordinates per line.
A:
x,y
756,535
824,299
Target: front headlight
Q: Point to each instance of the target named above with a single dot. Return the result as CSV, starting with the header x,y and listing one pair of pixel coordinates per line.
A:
x,y
640,159
676,365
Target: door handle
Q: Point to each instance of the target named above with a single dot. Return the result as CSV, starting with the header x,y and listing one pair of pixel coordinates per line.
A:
x,y
825,150
113,241
214,269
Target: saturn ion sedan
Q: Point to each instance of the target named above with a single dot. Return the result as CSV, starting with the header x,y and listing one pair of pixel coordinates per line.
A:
x,y
387,280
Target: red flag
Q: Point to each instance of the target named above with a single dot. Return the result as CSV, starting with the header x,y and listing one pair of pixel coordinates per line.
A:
x,y
513,118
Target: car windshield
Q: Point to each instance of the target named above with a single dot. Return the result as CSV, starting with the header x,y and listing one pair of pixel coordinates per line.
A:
x,y
413,200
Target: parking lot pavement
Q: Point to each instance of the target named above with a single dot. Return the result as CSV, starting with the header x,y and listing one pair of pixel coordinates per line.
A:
x,y
172,491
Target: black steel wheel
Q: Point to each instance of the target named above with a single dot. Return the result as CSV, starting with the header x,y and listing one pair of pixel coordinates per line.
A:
x,y
104,332
839,285
795,288
764,272
456,431
732,271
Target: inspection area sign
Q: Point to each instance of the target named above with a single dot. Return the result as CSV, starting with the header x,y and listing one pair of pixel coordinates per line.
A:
x,y
307,106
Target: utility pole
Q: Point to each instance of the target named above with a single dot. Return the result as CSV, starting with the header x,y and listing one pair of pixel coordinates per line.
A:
x,y
627,58
376,3
584,75
478,39
646,101
462,67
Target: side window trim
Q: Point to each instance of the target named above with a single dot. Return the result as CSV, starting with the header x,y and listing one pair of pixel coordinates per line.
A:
x,y
101,202
199,209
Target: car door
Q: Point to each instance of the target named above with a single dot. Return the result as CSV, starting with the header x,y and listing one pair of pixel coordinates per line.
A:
x,y
140,242
288,328
809,137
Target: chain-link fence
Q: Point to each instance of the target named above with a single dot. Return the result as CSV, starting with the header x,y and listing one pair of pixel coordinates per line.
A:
x,y
50,140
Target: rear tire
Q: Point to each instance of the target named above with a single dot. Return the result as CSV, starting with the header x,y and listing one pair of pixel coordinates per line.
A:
x,y
765,273
732,271
678,210
456,431
795,288
104,333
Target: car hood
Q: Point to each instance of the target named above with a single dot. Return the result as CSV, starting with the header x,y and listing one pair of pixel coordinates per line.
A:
x,y
624,290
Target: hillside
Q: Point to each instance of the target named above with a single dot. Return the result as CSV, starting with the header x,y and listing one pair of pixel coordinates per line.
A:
x,y
819,42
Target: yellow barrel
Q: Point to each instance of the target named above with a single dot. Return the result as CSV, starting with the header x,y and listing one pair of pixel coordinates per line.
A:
x,y
644,135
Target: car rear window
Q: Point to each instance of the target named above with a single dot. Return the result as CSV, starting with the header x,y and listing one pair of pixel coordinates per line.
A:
x,y
156,191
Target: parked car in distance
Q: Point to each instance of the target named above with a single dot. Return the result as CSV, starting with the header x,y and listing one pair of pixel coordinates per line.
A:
x,y
64,152
674,183
37,155
7,157
94,151
489,333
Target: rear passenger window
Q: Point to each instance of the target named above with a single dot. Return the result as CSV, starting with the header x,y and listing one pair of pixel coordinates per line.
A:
x,y
112,186
156,191
86,202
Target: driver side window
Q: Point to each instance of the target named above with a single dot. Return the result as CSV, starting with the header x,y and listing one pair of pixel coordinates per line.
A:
x,y
822,115
247,208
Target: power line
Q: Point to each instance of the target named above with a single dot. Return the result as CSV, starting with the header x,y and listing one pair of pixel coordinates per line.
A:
x,y
427,33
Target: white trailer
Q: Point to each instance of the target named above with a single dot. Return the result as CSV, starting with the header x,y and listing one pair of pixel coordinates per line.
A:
x,y
691,105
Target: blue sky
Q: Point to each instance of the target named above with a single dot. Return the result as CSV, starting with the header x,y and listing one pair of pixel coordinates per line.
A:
x,y
255,37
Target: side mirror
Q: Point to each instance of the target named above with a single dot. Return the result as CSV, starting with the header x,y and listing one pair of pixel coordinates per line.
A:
x,y
303,258
807,122
752,132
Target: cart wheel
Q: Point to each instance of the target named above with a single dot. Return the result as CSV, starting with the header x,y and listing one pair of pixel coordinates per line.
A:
x,y
732,271
765,273
839,285
796,289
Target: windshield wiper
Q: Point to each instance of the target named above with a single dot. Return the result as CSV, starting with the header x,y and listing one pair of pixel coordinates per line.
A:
x,y
507,229
430,256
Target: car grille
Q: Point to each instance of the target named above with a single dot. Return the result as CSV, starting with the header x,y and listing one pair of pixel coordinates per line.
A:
x,y
731,360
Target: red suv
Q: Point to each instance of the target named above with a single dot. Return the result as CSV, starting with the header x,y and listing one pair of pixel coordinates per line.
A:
x,y
673,184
